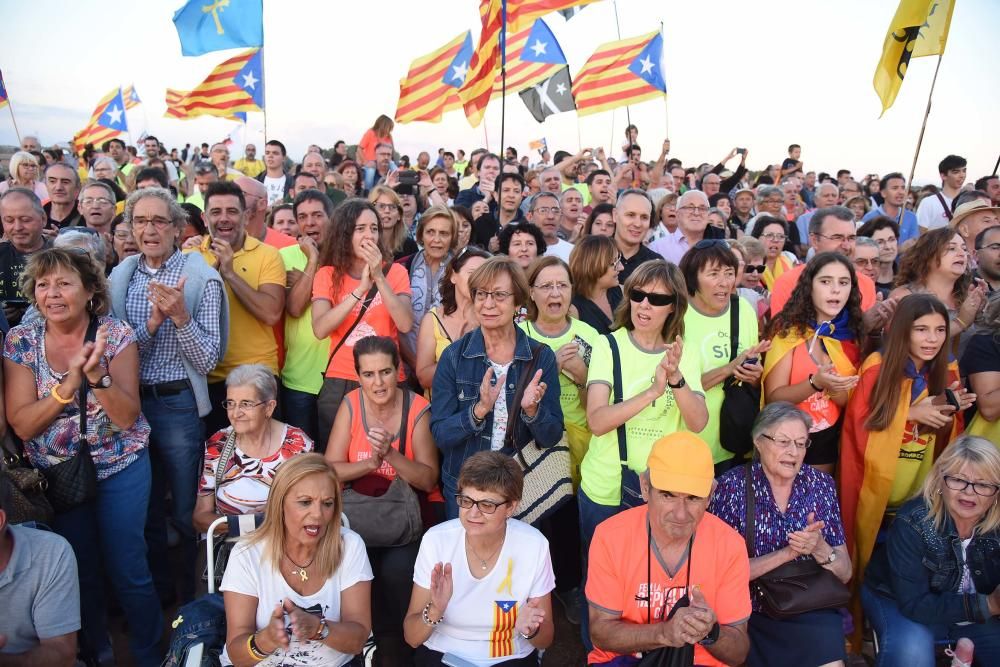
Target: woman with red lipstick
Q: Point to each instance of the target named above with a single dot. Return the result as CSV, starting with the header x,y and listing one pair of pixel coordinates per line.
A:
x,y
815,351
898,420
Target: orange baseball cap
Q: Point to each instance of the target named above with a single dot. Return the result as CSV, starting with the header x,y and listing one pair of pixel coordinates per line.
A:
x,y
681,463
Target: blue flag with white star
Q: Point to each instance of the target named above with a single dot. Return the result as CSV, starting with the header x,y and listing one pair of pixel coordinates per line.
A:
x,y
454,76
213,25
113,114
648,64
251,78
542,47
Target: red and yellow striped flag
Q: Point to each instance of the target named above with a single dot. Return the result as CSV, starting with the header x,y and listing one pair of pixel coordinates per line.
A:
x,y
431,85
234,86
502,635
619,73
520,13
107,121
130,97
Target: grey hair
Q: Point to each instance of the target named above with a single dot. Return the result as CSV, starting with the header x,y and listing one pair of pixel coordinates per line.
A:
x,y
768,190
76,174
258,376
656,195
92,243
690,194
821,214
633,191
777,413
718,211
36,203
103,159
827,184
866,242
92,183
178,215
539,195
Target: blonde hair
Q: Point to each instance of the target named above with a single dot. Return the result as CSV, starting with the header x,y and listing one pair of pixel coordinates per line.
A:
x,y
271,534
433,213
16,160
395,243
975,451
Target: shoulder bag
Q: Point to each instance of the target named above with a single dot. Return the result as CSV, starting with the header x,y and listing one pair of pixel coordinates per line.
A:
x,y
547,482
73,482
392,519
365,305
631,488
741,402
22,488
794,588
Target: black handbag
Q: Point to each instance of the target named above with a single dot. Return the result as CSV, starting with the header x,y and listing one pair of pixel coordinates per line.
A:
x,y
742,401
22,488
796,587
73,482
631,488
392,519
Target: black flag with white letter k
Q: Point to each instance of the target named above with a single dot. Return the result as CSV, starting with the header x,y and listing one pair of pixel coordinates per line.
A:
x,y
551,96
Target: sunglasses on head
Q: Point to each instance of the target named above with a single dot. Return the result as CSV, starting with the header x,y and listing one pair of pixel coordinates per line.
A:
x,y
709,243
655,298
754,268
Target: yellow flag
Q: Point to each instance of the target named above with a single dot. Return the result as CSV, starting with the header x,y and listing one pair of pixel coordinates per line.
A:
x,y
919,28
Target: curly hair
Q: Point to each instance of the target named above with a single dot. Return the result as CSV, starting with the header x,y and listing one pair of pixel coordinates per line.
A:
x,y
337,250
924,256
799,311
507,233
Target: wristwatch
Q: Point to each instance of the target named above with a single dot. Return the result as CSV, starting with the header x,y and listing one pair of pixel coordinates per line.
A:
x,y
828,561
678,385
712,636
103,383
323,632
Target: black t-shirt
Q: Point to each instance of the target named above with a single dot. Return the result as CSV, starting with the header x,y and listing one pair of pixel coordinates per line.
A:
x,y
409,248
981,355
12,263
630,264
591,314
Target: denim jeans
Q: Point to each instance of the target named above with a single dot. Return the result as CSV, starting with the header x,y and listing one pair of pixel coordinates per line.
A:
x,y
300,410
202,621
906,643
176,449
107,538
591,514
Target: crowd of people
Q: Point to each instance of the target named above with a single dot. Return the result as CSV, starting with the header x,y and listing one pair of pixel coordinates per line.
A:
x,y
756,378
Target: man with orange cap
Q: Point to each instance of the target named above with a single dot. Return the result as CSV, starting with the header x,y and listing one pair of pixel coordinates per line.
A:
x,y
687,583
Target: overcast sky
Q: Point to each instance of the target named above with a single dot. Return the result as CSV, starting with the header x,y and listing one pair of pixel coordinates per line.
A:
x,y
754,74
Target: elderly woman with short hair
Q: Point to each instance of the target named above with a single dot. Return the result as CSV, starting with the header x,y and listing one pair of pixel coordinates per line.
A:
x,y
796,516
937,574
24,172
177,306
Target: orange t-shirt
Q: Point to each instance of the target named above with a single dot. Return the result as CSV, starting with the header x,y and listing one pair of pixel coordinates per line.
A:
x,y
785,284
617,581
368,143
376,322
820,407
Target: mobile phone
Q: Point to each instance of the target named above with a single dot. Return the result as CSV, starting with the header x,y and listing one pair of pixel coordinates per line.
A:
x,y
750,361
951,398
408,177
584,349
741,151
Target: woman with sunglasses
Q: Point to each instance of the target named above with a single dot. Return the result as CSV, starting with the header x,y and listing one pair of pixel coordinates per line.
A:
x,y
660,388
472,404
898,418
749,278
936,577
815,351
482,582
594,266
709,270
773,233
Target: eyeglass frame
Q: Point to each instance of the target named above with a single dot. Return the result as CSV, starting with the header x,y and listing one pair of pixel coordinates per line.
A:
x,y
230,404
788,443
478,504
495,294
968,483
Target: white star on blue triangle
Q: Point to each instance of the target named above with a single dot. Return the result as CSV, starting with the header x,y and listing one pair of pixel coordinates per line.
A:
x,y
505,605
647,65
454,76
251,78
541,46
113,114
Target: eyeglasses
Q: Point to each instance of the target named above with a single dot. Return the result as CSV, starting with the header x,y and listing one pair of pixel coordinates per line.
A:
x,y
243,406
385,207
755,268
774,202
499,296
96,201
552,287
785,443
655,298
159,223
123,235
545,210
992,246
700,210
619,261
838,238
484,506
865,262
979,488
771,236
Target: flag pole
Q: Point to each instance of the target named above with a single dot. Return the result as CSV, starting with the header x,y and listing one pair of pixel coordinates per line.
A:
x,y
614,3
10,107
923,126
503,74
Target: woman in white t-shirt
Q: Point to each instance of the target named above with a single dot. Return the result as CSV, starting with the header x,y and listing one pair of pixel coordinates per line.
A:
x,y
482,582
297,591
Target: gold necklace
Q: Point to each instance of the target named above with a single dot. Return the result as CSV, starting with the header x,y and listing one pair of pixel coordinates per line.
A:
x,y
483,561
301,571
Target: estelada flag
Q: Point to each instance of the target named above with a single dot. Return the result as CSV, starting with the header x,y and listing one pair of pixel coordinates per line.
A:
x,y
107,121
919,28
3,93
131,97
236,85
431,85
623,72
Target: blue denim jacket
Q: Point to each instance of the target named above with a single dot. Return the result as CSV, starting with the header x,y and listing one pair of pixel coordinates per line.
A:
x,y
921,568
459,373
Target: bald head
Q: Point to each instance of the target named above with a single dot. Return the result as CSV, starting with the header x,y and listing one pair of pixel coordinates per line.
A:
x,y
256,198
691,197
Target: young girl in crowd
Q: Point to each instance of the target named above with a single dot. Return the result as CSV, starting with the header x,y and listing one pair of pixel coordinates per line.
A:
x,y
815,351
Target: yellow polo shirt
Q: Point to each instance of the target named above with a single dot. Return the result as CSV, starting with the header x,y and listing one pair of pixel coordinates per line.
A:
x,y
250,340
251,168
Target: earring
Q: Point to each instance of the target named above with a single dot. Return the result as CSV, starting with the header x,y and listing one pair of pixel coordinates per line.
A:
x,y
90,305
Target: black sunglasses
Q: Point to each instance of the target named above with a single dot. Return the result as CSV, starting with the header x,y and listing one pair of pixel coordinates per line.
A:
x,y
655,298
709,243
754,268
